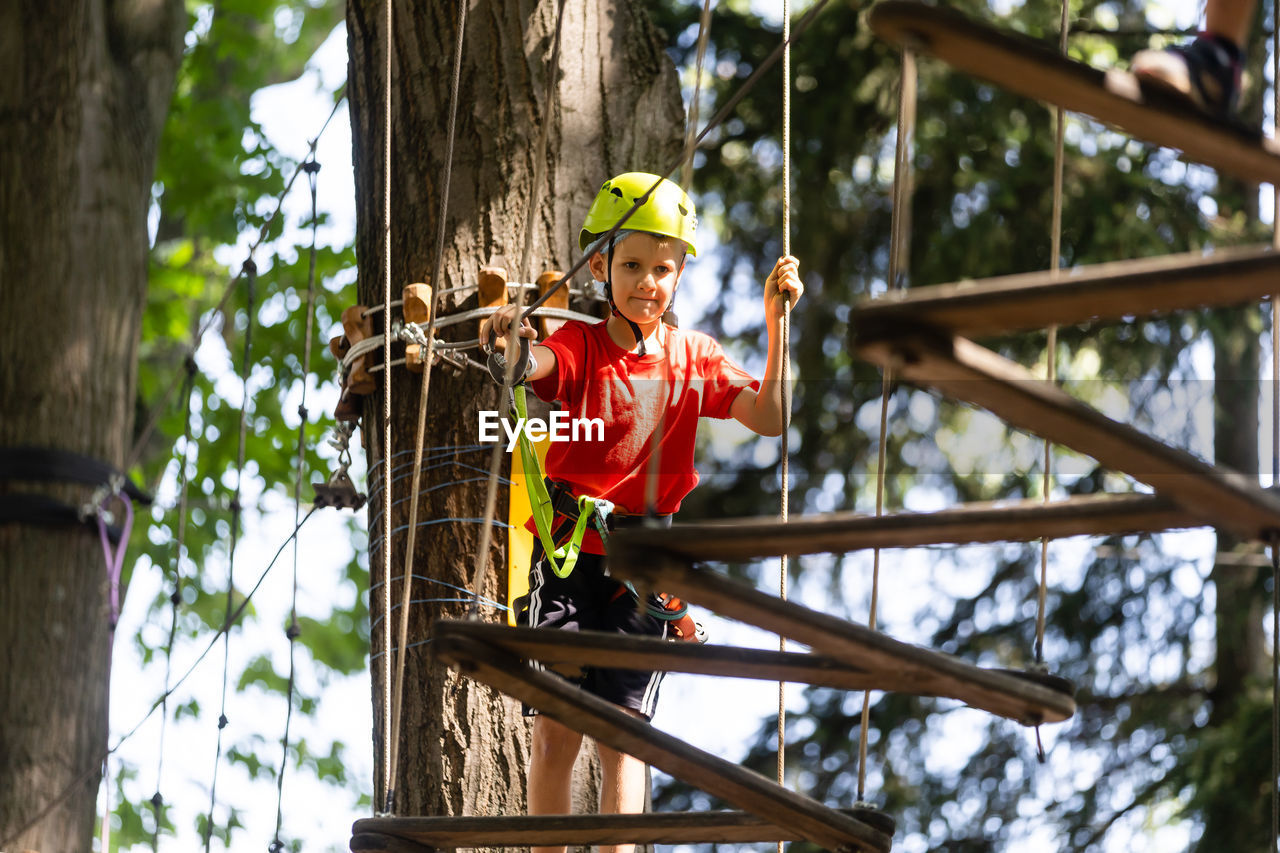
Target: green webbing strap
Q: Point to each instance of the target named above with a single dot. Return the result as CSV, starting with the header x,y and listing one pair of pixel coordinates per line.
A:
x,y
589,509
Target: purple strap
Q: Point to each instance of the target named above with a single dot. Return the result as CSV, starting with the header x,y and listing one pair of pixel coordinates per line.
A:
x,y
115,561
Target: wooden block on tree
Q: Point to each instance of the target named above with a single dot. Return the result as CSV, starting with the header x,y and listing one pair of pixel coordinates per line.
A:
x,y
493,288
1030,68
358,327
350,406
416,309
559,299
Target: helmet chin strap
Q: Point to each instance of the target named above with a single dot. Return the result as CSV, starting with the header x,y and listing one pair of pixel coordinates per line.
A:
x,y
613,306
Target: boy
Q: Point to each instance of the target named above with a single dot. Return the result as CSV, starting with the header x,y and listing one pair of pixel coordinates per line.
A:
x,y
1206,71
640,376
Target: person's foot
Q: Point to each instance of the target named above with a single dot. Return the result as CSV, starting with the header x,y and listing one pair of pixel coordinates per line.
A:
x,y
1205,72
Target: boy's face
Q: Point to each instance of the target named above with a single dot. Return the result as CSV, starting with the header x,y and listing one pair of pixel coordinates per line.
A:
x,y
645,272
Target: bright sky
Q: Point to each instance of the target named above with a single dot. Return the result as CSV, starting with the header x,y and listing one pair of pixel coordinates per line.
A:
x,y
718,715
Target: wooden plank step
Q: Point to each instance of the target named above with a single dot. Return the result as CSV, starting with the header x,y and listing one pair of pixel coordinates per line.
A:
x,y
1114,97
922,671
1010,521
962,370
451,833
594,648
1111,291
614,727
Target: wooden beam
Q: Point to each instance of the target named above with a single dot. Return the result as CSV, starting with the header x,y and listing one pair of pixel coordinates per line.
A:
x,y
726,827
965,371
611,725
922,671
1114,97
752,538
621,651
378,842
1111,291
595,648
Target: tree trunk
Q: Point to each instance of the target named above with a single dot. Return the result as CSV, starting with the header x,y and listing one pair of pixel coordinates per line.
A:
x,y
84,90
1235,815
617,107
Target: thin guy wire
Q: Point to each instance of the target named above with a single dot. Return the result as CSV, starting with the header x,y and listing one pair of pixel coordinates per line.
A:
x,y
714,122
899,239
513,331
97,765
786,367
691,123
654,464
199,326
292,631
188,387
388,746
251,281
1051,344
397,695
1275,448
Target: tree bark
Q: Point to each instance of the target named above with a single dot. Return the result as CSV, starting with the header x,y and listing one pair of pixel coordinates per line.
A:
x,y
617,107
84,90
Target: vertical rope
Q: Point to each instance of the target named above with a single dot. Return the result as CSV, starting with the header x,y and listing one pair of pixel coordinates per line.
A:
x,y
1051,344
899,255
691,122
786,364
292,631
1275,447
406,584
175,596
513,333
251,282
388,737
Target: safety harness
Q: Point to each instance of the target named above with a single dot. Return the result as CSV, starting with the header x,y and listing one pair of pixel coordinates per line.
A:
x,y
582,511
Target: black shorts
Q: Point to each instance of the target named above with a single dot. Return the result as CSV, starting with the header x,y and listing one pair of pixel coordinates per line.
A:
x,y
589,600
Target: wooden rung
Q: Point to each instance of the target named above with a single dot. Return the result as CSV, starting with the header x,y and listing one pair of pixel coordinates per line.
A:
x,y
381,842
594,648
612,726
961,369
1114,97
1111,291
1016,521
923,672
450,833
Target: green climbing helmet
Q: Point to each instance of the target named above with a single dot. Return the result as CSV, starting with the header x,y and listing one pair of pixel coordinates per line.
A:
x,y
667,211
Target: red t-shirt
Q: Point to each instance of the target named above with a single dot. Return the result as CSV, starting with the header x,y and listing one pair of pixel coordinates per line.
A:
x,y
596,378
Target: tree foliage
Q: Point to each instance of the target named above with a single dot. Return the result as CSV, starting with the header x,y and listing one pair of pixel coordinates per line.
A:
x,y
219,184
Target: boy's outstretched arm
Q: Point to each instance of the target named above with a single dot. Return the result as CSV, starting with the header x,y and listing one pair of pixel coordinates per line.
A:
x,y
761,412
